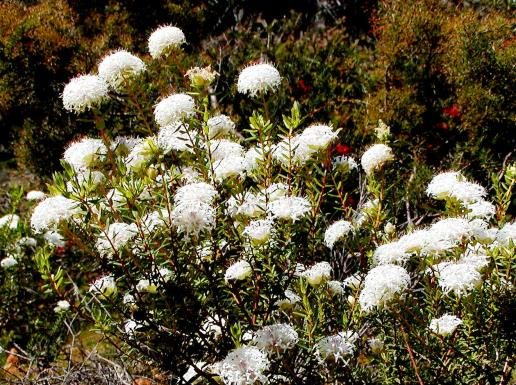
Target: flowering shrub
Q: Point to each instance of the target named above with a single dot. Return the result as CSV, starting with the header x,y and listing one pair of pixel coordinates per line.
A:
x,y
234,256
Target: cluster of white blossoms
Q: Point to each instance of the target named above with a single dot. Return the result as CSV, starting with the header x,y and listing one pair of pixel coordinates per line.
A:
x,y
376,157
103,287
258,79
337,347
289,208
116,236
10,220
35,195
173,108
175,137
85,92
458,278
445,325
52,210
243,366
85,153
275,338
62,306
453,185
8,262
289,301
164,39
119,67
299,149
317,274
258,230
344,164
336,232
381,285
238,271
193,212
220,125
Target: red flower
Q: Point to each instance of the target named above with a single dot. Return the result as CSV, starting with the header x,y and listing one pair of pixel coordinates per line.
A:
x,y
303,87
342,149
452,111
442,126
59,251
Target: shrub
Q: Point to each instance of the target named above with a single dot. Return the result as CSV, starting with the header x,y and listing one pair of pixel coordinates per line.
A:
x,y
235,255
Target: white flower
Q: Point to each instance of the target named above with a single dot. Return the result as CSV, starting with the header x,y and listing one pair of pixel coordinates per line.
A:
x,y
414,241
175,137
62,306
85,153
122,145
119,67
238,271
258,79
291,208
27,242
275,191
381,285
141,153
393,252
10,220
441,185
275,338
173,108
201,77
318,273
193,217
337,346
445,325
145,286
506,234
336,232
459,278
50,211
191,373
54,238
130,301
221,149
335,288
164,39
243,366
481,209
259,230
84,93
375,157
232,166
103,287
8,262
220,125
35,195
312,140
154,220
453,185
290,300
344,164
248,205
201,192
253,158
382,131
116,236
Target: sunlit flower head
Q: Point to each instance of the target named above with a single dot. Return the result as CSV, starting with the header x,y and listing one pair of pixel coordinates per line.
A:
x,y
275,338
173,108
238,271
165,39
337,347
445,325
376,157
220,125
243,366
336,232
120,67
258,79
85,153
50,211
84,93
381,285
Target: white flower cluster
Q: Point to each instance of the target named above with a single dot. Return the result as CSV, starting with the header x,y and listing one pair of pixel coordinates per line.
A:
x,y
238,271
120,67
445,325
381,285
10,220
317,274
85,153
116,236
103,287
376,157
275,338
459,277
289,208
338,346
164,39
243,366
453,185
336,232
52,210
220,125
85,92
173,108
258,230
258,79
